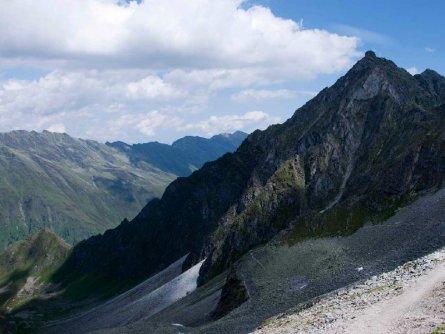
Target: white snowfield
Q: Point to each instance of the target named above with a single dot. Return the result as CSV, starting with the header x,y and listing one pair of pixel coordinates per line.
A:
x,y
141,302
407,300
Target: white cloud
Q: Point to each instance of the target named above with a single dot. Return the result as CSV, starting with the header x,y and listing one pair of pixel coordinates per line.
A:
x,y
64,100
216,79
168,34
113,64
228,123
71,91
152,87
146,123
59,127
413,70
264,94
430,50
152,122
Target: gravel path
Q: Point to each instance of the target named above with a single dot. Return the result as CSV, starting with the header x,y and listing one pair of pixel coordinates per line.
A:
x,y
409,299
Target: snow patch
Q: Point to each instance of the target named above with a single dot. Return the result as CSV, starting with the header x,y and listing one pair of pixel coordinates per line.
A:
x,y
169,293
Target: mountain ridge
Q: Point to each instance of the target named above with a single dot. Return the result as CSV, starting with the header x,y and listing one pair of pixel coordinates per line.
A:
x,y
185,154
348,152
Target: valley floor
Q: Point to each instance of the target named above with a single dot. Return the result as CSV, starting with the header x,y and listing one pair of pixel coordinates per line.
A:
x,y
409,299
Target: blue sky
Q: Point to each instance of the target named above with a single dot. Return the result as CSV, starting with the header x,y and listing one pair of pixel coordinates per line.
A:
x,y
398,30
151,70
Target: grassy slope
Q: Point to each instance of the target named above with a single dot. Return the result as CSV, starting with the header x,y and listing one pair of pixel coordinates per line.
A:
x,y
37,257
77,188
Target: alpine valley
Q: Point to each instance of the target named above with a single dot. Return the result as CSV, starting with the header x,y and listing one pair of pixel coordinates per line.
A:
x,y
348,188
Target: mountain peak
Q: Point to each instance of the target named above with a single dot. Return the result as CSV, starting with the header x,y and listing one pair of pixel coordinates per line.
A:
x,y
429,73
371,61
356,144
370,54
373,75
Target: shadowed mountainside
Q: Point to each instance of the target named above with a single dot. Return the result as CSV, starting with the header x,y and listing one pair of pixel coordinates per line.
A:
x,y
354,153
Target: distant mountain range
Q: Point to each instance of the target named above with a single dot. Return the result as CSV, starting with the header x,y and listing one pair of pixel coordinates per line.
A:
x,y
82,187
185,155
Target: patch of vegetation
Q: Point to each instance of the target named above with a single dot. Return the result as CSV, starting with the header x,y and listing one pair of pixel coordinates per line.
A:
x,y
36,258
279,202
94,286
77,188
439,329
341,220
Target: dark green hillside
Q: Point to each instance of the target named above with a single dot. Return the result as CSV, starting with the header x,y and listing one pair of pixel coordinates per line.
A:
x,y
27,265
76,187
80,188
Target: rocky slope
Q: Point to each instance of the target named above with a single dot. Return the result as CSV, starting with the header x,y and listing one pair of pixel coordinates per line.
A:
x,y
355,153
408,299
81,187
288,276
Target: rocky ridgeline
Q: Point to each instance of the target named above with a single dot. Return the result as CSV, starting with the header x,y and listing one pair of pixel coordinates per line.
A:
x,y
355,153
333,312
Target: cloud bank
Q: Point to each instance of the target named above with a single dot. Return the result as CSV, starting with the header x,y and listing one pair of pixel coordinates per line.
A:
x,y
102,57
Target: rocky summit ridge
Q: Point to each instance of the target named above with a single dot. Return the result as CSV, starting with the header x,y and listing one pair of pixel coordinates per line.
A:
x,y
355,153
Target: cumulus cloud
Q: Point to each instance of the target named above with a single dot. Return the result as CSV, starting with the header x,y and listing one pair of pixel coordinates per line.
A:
x,y
152,87
153,122
59,127
264,94
72,91
86,98
145,123
228,123
169,33
118,69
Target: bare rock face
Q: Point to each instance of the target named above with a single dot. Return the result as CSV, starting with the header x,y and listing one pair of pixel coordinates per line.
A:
x,y
359,149
233,294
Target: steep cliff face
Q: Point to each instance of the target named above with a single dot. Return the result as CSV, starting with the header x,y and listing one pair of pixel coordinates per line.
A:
x,y
357,150
363,146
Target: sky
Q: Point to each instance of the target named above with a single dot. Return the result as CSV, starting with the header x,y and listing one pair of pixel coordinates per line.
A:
x,y
153,70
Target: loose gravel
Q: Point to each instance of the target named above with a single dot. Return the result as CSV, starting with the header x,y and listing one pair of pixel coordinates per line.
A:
x,y
408,299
